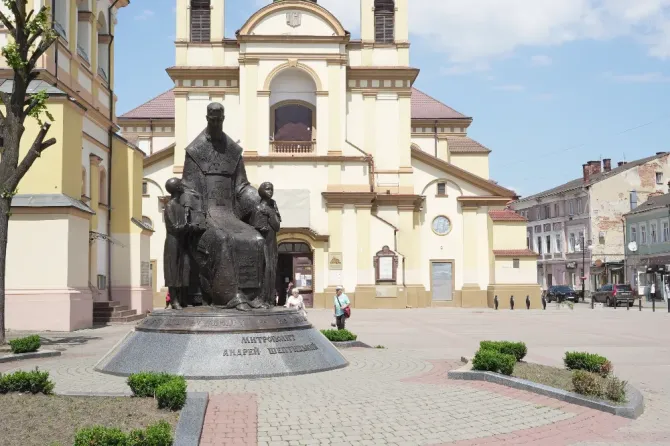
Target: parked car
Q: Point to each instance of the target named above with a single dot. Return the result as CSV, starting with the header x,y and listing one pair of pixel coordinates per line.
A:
x,y
560,293
614,294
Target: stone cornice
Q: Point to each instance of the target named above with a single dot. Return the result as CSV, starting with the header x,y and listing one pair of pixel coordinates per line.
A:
x,y
339,199
402,201
215,73
483,201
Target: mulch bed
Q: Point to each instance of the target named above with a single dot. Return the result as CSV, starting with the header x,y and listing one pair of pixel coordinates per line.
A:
x,y
41,420
542,374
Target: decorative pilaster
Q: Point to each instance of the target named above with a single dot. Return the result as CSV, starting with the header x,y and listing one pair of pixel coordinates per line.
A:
x,y
94,187
405,136
180,130
335,108
263,128
370,116
363,254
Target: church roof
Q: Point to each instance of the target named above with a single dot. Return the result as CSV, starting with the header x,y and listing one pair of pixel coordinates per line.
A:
x,y
423,107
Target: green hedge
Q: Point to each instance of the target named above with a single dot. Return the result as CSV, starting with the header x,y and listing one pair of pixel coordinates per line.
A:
x,y
27,382
587,383
493,361
28,344
339,335
588,362
516,349
159,434
169,390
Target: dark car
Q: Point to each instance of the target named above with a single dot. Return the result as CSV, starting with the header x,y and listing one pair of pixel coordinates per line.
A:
x,y
614,294
560,293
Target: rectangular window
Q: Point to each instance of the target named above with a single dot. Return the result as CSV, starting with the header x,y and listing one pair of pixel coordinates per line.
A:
x,y
145,188
653,232
539,245
556,210
643,234
571,207
572,242
579,206
441,189
547,211
200,20
581,240
601,237
666,232
633,234
528,242
384,25
538,229
548,244
659,177
547,228
559,243
515,263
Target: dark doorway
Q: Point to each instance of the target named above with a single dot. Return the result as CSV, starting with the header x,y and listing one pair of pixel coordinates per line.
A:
x,y
296,264
293,122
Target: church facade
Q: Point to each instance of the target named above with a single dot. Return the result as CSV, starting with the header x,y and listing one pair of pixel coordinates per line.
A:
x,y
379,187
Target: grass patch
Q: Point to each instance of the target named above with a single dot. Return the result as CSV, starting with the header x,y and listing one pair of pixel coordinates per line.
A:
x,y
38,420
339,335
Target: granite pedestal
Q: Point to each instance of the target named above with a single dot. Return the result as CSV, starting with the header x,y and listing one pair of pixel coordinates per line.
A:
x,y
208,343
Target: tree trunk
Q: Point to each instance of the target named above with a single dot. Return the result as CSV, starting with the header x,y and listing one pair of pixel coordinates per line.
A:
x,y
5,204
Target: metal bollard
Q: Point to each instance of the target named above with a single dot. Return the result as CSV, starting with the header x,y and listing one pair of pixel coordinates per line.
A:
x,y
668,305
653,305
639,303
544,303
495,301
627,306
527,302
511,303
592,301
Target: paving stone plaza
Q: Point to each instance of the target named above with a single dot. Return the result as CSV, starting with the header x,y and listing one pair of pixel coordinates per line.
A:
x,y
400,394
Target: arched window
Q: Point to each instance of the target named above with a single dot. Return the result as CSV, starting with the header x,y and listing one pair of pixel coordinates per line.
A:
x,y
384,21
293,122
201,18
61,11
103,187
83,30
294,248
103,47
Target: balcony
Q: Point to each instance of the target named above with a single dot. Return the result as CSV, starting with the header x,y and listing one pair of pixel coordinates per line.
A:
x,y
292,148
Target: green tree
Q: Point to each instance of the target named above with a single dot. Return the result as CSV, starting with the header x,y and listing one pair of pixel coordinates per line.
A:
x,y
31,35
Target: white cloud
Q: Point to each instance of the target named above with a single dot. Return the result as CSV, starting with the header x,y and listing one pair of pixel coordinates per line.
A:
x,y
511,87
478,31
640,78
541,60
145,15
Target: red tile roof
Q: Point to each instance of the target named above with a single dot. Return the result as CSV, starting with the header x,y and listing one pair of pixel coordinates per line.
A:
x,y
506,215
463,144
160,107
423,107
426,107
514,253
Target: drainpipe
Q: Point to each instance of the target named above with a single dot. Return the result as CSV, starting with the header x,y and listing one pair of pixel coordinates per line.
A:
x,y
110,139
436,141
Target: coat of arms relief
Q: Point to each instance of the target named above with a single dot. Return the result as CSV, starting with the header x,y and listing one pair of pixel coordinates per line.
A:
x,y
293,19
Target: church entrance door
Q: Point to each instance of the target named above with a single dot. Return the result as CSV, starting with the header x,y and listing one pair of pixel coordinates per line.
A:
x,y
296,264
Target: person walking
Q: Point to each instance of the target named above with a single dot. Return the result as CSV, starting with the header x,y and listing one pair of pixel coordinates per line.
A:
x,y
296,301
341,305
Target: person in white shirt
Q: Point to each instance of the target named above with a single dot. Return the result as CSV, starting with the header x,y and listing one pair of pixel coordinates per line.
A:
x,y
296,301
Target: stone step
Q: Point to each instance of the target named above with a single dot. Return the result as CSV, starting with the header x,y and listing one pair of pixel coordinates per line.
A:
x,y
111,309
115,313
109,304
123,319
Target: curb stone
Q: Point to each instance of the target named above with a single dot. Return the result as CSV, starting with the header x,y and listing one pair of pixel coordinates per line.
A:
x,y
32,355
632,409
350,344
191,420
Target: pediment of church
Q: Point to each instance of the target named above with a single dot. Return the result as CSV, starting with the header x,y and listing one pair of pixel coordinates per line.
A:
x,y
293,18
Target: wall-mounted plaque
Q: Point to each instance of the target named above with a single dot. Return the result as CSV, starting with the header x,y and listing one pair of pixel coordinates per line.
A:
x,y
335,261
441,225
145,277
386,265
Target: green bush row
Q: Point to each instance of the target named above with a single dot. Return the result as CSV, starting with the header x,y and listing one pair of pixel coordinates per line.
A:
x,y
493,361
27,382
516,349
339,335
593,384
159,434
28,344
169,390
588,362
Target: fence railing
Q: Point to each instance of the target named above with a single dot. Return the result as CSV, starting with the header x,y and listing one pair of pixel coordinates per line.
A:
x,y
292,147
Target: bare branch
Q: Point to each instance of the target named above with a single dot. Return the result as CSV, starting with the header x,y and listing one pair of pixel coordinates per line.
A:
x,y
39,145
30,15
5,21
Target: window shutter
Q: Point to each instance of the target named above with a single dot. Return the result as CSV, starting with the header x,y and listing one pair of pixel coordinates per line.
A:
x,y
200,21
384,21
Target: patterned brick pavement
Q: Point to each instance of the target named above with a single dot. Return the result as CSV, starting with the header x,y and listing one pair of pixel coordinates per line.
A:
x,y
401,396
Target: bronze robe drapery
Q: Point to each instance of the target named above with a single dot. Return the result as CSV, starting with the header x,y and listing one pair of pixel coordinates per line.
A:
x,y
176,270
229,253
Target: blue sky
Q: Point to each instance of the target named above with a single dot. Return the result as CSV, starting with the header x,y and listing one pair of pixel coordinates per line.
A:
x,y
550,84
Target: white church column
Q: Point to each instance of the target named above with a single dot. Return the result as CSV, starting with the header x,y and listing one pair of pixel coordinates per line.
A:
x,y
263,127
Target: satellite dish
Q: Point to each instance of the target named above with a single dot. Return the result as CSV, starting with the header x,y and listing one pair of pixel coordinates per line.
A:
x,y
632,246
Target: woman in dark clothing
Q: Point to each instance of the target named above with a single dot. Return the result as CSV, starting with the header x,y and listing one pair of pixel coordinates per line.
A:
x,y
175,255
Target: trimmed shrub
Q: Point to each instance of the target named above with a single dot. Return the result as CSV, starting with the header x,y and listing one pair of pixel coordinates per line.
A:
x,y
587,383
27,382
145,384
159,434
28,344
339,335
516,349
615,389
493,361
172,394
589,362
100,436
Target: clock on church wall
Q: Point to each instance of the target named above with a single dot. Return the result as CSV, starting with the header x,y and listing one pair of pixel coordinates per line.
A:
x,y
441,225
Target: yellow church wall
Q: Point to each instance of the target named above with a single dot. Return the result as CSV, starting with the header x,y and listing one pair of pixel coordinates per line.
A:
x,y
473,163
509,235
